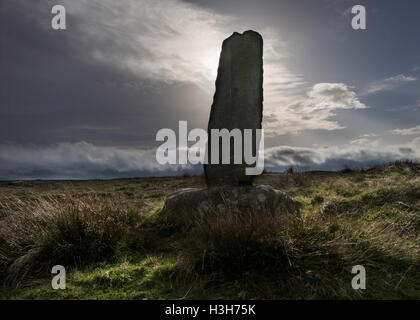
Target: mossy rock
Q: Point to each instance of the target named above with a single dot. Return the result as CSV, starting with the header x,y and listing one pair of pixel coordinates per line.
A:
x,y
183,206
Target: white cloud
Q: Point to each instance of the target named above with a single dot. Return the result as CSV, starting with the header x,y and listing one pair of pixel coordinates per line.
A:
x,y
388,84
408,131
335,157
416,141
80,160
364,142
331,96
313,110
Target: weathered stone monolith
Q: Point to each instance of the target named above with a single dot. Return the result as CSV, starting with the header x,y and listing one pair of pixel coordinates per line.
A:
x,y
237,103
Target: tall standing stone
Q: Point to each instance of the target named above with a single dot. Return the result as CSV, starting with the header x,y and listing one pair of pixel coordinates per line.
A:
x,y
237,102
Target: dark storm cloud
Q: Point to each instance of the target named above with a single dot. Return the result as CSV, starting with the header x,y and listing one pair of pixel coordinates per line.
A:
x,y
53,90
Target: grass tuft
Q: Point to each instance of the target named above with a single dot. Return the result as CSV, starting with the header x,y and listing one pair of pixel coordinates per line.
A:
x,y
43,232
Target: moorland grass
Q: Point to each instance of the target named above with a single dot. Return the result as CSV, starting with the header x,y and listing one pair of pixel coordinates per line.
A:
x,y
115,245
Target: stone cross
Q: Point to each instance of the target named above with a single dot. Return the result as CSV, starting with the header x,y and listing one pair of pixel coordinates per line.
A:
x,y
237,103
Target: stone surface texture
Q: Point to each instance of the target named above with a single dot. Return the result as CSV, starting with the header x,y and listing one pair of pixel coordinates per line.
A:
x,y
237,102
183,205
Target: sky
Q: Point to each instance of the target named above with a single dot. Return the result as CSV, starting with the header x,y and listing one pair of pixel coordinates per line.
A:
x,y
87,102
